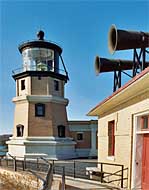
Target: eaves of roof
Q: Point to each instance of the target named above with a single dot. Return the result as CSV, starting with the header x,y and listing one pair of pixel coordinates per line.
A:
x,y
138,83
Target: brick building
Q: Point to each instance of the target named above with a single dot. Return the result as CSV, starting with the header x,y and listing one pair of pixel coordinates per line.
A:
x,y
84,134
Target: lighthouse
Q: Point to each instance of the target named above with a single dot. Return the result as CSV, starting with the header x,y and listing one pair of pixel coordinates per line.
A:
x,y
40,116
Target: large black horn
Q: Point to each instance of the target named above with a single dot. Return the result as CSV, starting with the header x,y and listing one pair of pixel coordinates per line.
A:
x,y
109,65
122,39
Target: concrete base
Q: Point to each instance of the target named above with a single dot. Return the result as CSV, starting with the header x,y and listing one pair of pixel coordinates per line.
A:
x,y
50,147
93,153
86,152
82,152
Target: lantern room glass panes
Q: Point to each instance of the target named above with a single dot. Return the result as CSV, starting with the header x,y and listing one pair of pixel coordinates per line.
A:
x,y
38,59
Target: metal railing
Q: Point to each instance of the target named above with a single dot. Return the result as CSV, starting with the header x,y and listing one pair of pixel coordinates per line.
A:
x,y
77,169
37,68
105,174
47,183
73,168
14,162
36,166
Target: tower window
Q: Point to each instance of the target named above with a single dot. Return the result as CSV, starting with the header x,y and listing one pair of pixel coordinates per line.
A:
x,y
56,85
39,110
20,130
22,84
50,65
79,136
61,131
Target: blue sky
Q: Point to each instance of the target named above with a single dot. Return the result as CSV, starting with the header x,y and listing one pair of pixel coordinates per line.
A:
x,y
81,29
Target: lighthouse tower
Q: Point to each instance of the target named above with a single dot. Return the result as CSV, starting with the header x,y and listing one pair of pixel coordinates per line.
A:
x,y
40,117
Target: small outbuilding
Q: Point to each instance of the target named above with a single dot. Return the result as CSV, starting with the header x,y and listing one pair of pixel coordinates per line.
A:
x,y
123,131
84,134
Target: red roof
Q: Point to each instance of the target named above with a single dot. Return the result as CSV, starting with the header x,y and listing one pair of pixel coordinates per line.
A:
x,y
145,71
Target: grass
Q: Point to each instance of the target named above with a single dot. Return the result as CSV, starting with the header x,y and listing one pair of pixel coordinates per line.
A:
x,y
17,181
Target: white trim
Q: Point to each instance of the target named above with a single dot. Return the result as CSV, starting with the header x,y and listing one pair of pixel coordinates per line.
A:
x,y
134,153
142,132
136,132
42,98
50,98
51,138
21,98
111,158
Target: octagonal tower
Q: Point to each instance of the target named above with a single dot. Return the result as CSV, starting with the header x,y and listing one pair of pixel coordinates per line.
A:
x,y
40,117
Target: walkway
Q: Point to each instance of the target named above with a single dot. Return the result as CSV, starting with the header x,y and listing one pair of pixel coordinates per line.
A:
x,y
83,184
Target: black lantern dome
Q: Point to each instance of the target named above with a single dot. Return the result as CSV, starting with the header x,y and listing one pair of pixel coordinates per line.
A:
x,y
41,55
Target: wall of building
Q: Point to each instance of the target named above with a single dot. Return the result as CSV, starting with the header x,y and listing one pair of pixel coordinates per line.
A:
x,y
84,146
123,116
85,143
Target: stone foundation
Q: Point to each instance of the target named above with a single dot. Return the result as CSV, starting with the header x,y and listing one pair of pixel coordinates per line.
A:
x,y
50,147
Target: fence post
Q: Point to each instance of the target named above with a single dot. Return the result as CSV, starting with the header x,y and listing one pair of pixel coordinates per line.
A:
x,y
53,166
37,163
74,169
101,173
24,163
122,176
15,164
7,162
63,178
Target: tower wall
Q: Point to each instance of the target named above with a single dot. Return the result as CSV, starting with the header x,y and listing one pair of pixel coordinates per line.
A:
x,y
35,85
21,117
55,115
45,86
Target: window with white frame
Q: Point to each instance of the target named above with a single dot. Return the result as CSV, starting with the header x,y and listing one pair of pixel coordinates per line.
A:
x,y
144,122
